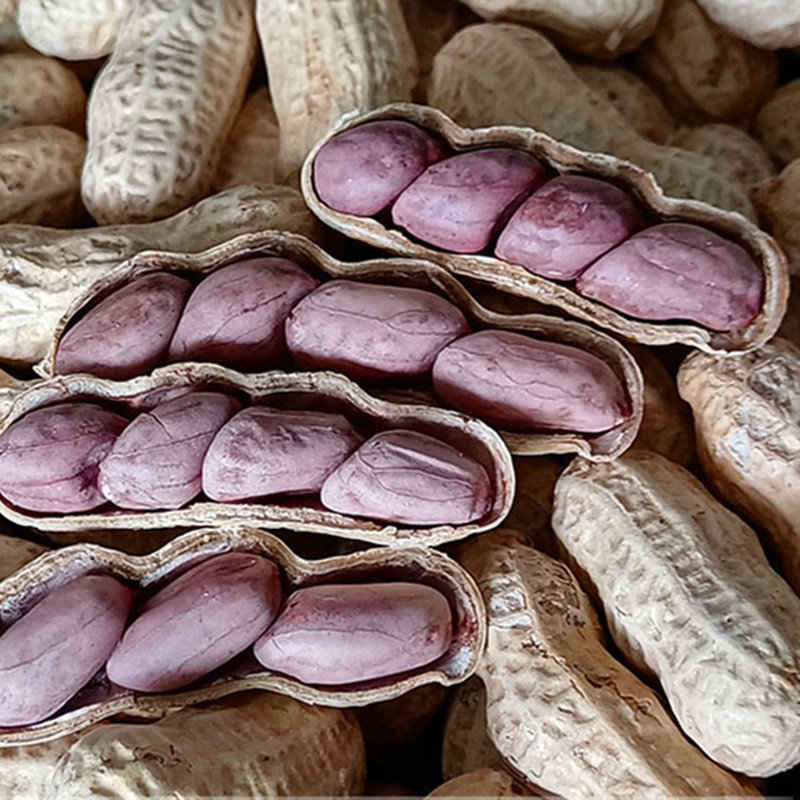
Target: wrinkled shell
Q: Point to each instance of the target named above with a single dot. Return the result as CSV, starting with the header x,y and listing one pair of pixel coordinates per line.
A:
x,y
533,503
517,280
771,24
15,553
776,123
146,159
725,645
779,205
37,90
254,745
490,75
486,783
72,29
40,173
747,418
643,109
102,699
703,73
42,271
329,57
560,709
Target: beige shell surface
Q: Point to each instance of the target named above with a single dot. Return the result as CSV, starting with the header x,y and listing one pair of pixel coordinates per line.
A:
x,y
789,330
321,391
42,270
747,417
777,121
769,24
329,57
510,75
560,709
72,29
38,90
486,783
162,107
101,699
602,30
420,274
517,280
690,597
254,745
779,205
40,175
15,553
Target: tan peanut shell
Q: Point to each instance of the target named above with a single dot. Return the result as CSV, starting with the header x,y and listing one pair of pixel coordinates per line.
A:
x,y
487,783
8,11
37,90
641,107
747,418
601,30
101,699
789,330
313,390
509,75
777,121
768,24
253,745
405,272
163,105
690,598
779,206
42,270
533,502
329,57
560,709
703,73
15,553
40,174
72,29
517,280
250,153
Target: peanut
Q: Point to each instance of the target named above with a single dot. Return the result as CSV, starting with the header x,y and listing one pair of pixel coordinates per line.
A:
x,y
775,124
771,24
779,205
348,633
481,783
163,105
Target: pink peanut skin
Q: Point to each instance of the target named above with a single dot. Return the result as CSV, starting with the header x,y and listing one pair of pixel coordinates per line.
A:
x,y
198,622
461,202
678,271
409,477
363,170
157,462
128,333
51,652
339,634
568,223
516,382
49,458
372,332
235,317
263,451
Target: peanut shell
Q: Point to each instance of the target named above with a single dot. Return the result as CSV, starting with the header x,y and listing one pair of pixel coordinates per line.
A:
x,y
771,24
779,204
15,553
775,124
487,783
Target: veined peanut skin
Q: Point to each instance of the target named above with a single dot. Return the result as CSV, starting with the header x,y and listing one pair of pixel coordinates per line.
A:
x,y
235,316
15,553
348,633
49,458
128,333
771,25
568,223
48,654
775,123
458,204
40,169
409,477
778,203
363,171
37,90
197,622
72,29
146,159
747,420
157,461
372,332
678,271
263,451
690,597
516,382
256,744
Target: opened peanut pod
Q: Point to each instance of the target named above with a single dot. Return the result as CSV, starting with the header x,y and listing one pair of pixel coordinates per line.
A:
x,y
399,398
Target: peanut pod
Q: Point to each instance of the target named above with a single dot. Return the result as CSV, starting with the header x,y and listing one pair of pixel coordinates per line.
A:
x,y
735,232
101,699
321,391
398,272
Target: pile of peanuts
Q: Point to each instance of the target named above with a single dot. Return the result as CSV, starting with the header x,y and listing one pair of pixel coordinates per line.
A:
x,y
486,310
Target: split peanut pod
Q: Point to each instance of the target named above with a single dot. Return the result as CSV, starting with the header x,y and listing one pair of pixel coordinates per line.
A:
x,y
352,630
439,475
549,385
664,270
